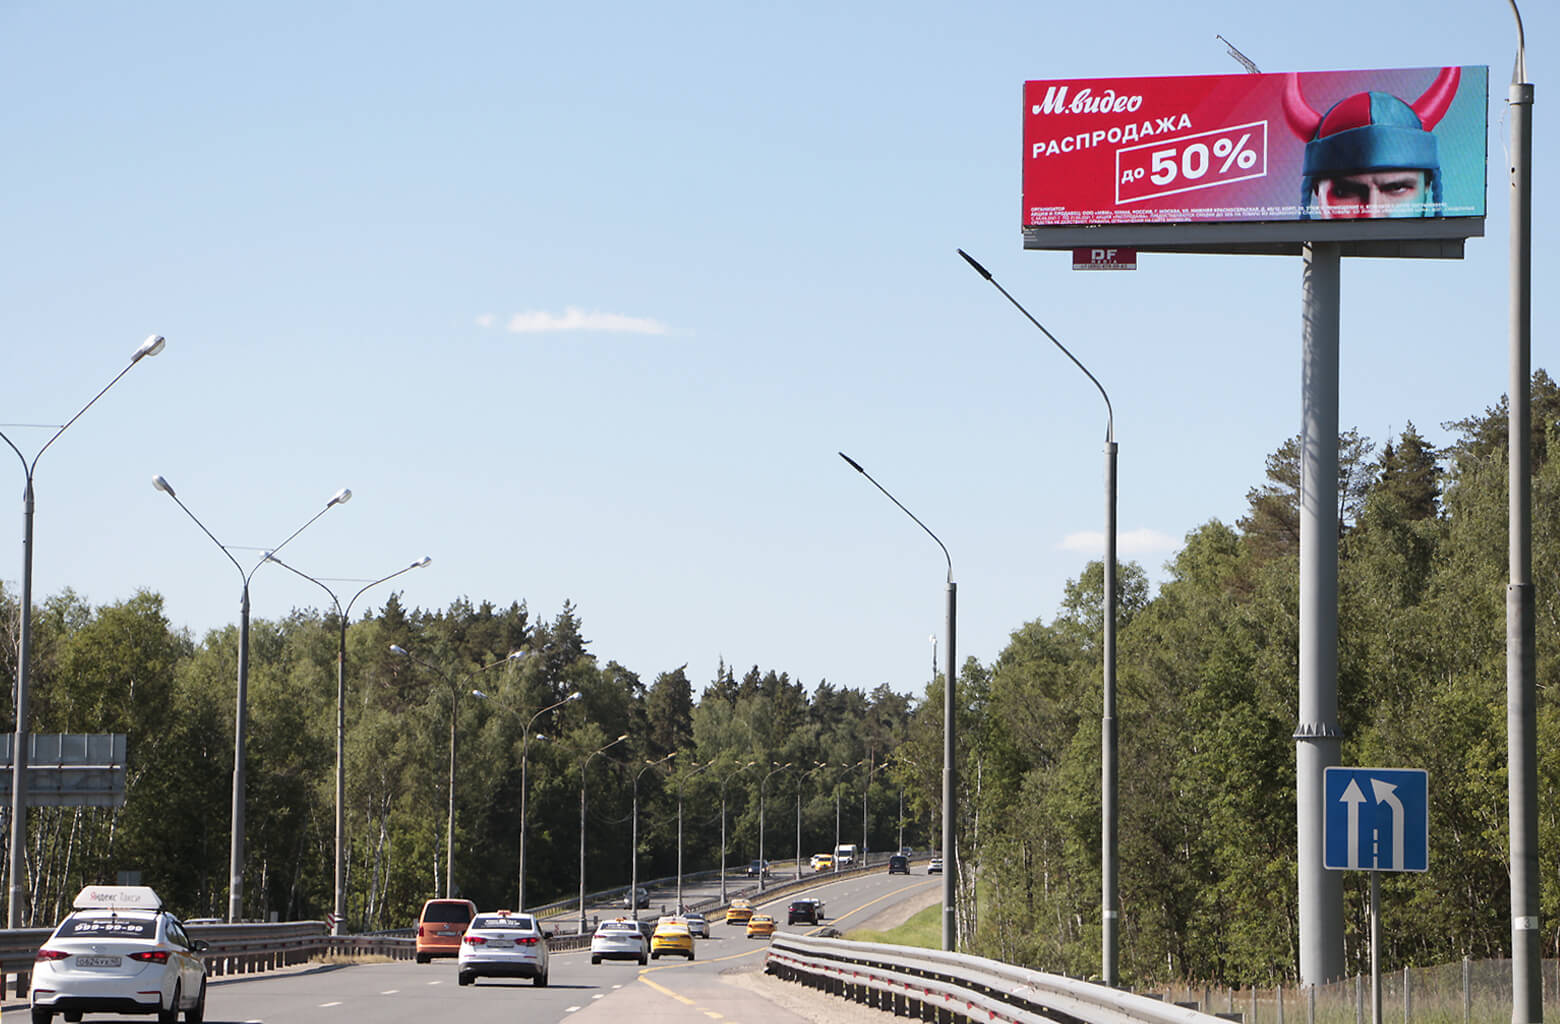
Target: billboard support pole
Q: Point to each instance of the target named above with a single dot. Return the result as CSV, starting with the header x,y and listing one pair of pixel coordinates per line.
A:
x,y
1317,734
1521,691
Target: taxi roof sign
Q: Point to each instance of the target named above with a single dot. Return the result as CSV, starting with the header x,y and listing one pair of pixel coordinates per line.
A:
x,y
118,897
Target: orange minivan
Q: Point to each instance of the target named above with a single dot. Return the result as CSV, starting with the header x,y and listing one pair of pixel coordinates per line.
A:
x,y
440,928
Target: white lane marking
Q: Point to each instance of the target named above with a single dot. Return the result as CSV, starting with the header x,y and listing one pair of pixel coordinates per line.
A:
x,y
389,991
599,995
571,1009
440,982
324,1005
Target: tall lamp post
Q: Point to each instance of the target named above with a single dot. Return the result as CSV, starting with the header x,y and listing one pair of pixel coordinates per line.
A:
x,y
950,866
727,778
342,615
455,690
1110,908
633,845
18,864
801,779
241,712
1521,671
691,769
525,750
583,763
762,864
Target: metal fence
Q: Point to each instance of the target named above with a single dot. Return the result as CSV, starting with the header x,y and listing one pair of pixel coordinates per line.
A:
x,y
1470,992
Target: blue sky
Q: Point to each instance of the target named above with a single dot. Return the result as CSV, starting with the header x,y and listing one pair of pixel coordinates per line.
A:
x,y
581,301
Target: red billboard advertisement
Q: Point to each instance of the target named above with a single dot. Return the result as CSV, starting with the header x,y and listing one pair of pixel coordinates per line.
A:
x,y
1298,148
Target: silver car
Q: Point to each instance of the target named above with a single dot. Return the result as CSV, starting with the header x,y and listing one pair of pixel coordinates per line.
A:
x,y
619,940
119,952
698,926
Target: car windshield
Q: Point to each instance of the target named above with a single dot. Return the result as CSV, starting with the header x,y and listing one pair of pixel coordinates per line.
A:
x,y
503,922
110,927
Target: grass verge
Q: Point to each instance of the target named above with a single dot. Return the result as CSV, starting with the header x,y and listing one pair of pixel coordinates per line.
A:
x,y
924,929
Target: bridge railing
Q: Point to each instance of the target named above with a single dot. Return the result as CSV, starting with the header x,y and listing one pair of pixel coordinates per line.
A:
x,y
952,988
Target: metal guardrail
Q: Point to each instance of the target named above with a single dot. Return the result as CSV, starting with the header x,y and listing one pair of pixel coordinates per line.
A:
x,y
952,988
233,948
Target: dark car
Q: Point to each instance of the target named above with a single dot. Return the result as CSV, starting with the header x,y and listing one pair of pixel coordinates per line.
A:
x,y
758,869
809,911
899,864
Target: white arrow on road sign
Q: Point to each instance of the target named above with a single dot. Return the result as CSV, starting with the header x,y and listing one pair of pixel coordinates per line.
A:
x,y
1386,793
1353,798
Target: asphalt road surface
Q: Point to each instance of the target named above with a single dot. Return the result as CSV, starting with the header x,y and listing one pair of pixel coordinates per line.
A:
x,y
667,990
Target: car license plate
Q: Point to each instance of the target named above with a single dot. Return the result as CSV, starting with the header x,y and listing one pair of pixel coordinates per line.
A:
x,y
500,944
97,961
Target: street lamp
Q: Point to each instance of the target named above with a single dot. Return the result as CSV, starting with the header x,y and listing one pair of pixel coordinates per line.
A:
x,y
734,773
525,749
778,767
949,771
800,779
1110,908
150,347
682,778
864,791
241,701
633,846
341,722
455,688
583,763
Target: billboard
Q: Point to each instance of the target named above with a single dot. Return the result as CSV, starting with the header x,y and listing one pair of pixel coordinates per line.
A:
x,y
1332,155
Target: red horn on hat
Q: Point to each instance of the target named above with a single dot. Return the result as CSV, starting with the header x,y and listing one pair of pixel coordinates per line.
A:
x,y
1432,106
1303,118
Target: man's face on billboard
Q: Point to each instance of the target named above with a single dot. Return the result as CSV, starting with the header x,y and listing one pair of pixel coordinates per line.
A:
x,y
1399,193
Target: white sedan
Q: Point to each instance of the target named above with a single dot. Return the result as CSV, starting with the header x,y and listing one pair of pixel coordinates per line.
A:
x,y
619,940
119,952
503,945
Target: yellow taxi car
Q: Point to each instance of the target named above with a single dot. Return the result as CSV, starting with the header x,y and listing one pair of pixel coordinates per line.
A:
x,y
671,936
739,912
760,926
823,862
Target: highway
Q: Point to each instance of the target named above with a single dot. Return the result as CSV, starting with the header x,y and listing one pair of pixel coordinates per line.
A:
x,y
403,992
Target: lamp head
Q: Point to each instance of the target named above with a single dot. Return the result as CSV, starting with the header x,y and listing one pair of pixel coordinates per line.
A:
x,y
515,655
479,694
397,649
853,463
150,347
160,483
341,497
574,696
421,562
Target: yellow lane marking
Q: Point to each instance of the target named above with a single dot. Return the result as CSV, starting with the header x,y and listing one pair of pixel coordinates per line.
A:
x,y
666,991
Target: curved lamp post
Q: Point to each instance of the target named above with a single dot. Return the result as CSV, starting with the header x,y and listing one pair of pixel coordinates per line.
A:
x,y
18,865
633,846
525,750
455,688
342,615
693,769
762,865
950,863
583,763
1110,908
800,780
731,775
241,711
865,789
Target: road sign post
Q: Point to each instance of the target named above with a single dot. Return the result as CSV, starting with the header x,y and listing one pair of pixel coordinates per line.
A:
x,y
1376,819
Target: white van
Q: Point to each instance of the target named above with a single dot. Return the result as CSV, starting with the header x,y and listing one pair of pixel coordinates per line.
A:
x,y
845,854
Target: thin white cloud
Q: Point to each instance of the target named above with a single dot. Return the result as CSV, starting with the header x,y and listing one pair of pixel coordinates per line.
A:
x,y
576,319
486,320
1133,542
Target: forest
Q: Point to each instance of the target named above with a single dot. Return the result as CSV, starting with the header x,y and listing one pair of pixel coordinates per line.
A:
x,y
1207,693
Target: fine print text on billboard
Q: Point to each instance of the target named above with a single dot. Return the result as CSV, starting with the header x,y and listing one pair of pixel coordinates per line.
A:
x,y
1356,146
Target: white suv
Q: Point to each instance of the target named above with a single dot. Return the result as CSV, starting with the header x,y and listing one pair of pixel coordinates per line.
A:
x,y
119,952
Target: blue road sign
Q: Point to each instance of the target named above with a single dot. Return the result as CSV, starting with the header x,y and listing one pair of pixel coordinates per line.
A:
x,y
1377,819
